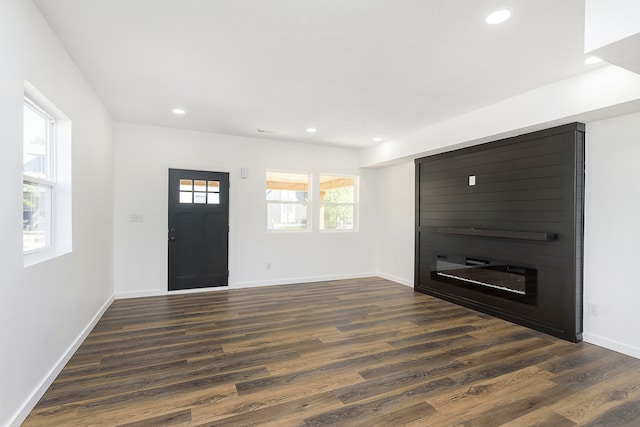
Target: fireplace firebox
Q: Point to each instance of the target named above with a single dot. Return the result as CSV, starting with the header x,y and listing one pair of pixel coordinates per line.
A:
x,y
498,278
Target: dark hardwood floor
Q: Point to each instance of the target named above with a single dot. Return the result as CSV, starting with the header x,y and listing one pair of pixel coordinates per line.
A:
x,y
365,352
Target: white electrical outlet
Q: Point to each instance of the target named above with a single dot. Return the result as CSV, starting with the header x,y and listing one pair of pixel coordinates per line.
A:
x,y
593,309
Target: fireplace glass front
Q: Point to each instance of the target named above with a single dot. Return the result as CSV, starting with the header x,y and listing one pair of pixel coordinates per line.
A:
x,y
497,278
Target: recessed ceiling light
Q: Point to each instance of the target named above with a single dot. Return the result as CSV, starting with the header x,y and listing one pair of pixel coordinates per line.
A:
x,y
311,130
498,16
376,139
592,60
178,111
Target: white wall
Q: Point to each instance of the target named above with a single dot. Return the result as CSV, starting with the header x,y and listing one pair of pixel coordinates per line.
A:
x,y
608,21
46,308
143,156
396,223
612,234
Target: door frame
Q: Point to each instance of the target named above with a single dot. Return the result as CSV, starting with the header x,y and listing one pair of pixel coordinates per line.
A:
x,y
233,178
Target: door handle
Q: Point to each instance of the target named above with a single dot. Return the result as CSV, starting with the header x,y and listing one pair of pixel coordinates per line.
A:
x,y
172,237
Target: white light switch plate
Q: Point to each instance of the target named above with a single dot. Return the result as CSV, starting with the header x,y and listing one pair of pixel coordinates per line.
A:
x,y
472,180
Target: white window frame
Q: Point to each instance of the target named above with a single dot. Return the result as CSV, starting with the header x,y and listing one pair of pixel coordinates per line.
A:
x,y
354,204
49,179
285,204
57,178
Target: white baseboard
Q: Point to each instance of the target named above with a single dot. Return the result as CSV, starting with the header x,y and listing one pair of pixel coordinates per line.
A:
x,y
197,290
623,348
251,284
140,294
37,394
400,280
160,292
309,279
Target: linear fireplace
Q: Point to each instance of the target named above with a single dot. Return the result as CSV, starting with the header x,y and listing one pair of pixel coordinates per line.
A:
x,y
501,279
499,228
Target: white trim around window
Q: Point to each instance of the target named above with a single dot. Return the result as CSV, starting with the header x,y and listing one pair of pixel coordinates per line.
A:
x,y
288,201
46,182
338,202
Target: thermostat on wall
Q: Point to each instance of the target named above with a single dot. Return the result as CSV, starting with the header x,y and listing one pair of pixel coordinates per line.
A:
x,y
136,218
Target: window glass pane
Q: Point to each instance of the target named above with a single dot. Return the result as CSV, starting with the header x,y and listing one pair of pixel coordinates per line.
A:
x,y
336,217
214,186
338,197
213,198
337,189
287,195
199,185
36,133
286,216
46,157
36,219
186,185
200,198
287,186
185,197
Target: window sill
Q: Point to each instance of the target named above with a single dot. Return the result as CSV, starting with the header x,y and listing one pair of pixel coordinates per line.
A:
x,y
41,256
285,231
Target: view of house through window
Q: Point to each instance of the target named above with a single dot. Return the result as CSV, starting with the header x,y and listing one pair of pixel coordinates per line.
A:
x,y
338,196
287,196
39,177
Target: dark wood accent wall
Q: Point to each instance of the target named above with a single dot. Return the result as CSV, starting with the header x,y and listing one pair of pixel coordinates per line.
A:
x,y
525,209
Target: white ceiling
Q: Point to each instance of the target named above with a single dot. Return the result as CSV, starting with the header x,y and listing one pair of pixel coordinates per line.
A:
x,y
353,69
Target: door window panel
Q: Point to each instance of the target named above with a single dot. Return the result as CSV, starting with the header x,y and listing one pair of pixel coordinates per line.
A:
x,y
213,198
213,192
200,198
186,197
200,191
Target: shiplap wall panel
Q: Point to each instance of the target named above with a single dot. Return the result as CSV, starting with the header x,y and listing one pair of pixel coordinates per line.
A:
x,y
532,183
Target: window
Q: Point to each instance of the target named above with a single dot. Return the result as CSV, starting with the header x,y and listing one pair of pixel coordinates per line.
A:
x,y
46,179
199,191
287,195
338,202
39,180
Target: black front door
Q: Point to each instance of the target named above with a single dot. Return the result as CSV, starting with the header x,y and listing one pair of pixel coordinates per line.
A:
x,y
198,229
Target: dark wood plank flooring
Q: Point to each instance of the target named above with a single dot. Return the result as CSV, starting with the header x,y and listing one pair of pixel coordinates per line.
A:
x,y
361,352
